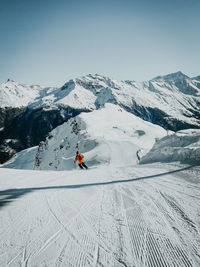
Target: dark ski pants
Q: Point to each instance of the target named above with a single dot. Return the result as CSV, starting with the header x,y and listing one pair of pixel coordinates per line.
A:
x,y
81,165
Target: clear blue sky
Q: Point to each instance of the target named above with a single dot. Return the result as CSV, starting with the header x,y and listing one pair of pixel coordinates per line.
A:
x,y
50,41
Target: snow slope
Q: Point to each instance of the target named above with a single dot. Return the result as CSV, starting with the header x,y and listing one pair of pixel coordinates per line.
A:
x,y
93,218
183,146
101,135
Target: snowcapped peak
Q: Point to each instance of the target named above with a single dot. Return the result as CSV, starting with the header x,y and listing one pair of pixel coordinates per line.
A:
x,y
9,83
85,81
68,85
97,76
92,82
92,78
130,82
196,78
171,77
9,80
13,94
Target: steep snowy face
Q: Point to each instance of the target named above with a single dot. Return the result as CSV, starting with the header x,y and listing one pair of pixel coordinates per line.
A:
x,y
106,136
171,77
15,95
178,81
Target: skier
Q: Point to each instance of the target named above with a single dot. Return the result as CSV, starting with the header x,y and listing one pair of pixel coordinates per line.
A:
x,y
80,157
138,157
137,154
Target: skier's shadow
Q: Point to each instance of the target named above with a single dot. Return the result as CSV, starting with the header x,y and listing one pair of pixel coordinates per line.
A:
x,y
9,195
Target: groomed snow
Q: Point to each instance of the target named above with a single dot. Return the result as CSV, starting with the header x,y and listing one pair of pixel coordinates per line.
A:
x,y
93,218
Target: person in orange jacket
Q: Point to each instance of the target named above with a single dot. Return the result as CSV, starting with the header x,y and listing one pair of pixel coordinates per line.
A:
x,y
80,157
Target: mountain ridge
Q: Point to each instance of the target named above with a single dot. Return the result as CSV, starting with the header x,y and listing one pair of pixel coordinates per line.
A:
x,y
179,75
34,92
172,104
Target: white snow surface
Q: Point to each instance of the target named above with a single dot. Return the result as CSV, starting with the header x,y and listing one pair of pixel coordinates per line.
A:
x,y
182,146
97,217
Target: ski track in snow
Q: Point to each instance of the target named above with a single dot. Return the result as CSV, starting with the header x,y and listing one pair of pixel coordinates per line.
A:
x,y
153,222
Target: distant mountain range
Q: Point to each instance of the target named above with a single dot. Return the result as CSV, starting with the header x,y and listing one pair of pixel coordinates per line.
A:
x,y
29,113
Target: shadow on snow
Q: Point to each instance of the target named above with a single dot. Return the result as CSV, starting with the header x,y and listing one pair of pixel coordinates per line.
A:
x,y
9,195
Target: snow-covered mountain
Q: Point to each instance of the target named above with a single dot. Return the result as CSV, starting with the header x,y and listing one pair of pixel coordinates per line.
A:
x,y
14,98
175,95
101,135
16,95
171,101
171,77
102,138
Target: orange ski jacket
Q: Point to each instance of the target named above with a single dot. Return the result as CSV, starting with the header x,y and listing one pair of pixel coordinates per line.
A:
x,y
79,157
